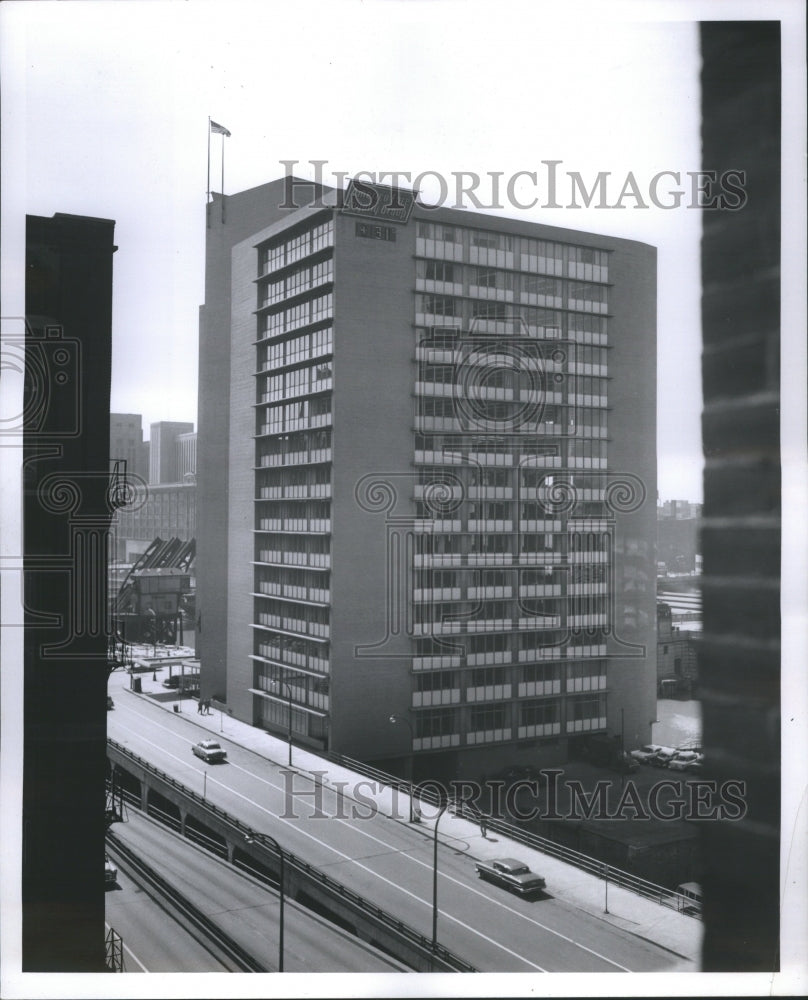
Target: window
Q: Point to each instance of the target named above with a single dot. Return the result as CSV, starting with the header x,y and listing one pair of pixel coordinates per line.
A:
x,y
435,722
485,717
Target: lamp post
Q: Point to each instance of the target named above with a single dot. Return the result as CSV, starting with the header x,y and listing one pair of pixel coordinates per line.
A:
x,y
289,695
441,811
281,883
400,718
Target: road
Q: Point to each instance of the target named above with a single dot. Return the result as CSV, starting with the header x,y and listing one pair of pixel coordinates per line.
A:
x,y
390,863
152,940
239,905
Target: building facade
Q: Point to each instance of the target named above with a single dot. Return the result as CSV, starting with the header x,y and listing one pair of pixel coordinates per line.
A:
x,y
163,451
438,486
126,443
165,512
186,457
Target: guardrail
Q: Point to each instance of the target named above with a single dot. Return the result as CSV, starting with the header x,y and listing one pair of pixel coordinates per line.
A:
x,y
239,956
440,957
616,876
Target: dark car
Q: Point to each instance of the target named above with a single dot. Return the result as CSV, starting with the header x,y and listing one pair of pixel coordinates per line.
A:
x,y
210,751
110,703
511,874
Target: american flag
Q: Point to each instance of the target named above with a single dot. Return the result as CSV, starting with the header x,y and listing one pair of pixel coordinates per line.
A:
x,y
216,127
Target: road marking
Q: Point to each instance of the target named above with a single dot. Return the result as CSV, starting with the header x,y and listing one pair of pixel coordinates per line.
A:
x,y
392,848
126,946
347,857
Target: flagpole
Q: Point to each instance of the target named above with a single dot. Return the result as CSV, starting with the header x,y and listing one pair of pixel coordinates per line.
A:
x,y
223,138
207,196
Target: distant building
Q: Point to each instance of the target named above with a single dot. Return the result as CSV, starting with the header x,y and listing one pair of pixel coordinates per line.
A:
x,y
126,443
163,452
678,549
186,456
157,511
677,659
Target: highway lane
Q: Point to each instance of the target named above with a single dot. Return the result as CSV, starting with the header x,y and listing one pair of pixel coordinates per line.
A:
x,y
246,909
152,940
391,863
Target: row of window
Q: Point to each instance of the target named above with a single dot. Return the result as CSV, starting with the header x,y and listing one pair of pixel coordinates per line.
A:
x,y
311,311
280,354
492,642
493,282
298,382
535,673
446,721
280,254
300,415
564,253
296,283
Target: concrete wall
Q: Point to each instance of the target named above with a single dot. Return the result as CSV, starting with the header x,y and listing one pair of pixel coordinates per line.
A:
x,y
739,659
373,420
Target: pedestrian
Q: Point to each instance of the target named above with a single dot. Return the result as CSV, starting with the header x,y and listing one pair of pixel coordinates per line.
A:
x,y
207,706
483,827
199,706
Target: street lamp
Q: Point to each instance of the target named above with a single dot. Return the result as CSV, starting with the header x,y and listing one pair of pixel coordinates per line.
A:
x,y
281,883
441,811
289,695
400,718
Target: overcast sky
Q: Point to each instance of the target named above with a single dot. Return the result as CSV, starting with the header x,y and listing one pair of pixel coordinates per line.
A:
x,y
109,103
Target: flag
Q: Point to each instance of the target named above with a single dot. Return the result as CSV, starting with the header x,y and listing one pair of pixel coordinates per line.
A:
x,y
220,129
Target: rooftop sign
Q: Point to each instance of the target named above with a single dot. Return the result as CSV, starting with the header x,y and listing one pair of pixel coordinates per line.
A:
x,y
378,201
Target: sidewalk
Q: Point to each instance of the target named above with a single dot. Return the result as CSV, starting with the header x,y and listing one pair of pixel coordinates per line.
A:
x,y
661,925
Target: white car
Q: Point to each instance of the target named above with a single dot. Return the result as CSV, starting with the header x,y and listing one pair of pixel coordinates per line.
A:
x,y
647,753
683,759
210,751
110,871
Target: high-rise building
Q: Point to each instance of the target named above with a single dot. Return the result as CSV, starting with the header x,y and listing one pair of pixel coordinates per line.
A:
x,y
428,490
126,443
163,451
186,457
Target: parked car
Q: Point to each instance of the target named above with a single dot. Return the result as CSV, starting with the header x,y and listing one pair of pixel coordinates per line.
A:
x,y
172,682
511,874
695,766
110,703
647,753
663,757
110,871
682,759
210,751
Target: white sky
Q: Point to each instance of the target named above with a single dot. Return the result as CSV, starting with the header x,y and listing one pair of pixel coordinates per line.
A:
x,y
111,101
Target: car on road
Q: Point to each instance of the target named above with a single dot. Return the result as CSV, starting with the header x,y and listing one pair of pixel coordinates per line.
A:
x,y
210,751
110,871
646,754
510,874
110,704
683,760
